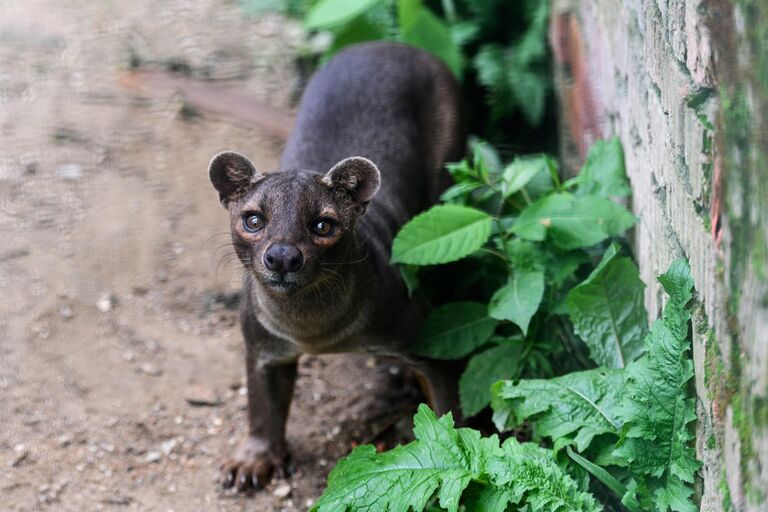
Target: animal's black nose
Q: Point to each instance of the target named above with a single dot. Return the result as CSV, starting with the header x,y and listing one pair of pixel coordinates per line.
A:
x,y
283,258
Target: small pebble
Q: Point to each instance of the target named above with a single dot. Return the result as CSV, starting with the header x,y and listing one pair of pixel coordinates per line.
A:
x,y
65,312
201,396
69,171
150,369
22,454
282,490
106,302
117,499
168,446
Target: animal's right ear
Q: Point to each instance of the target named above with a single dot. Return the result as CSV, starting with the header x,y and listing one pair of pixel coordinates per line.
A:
x,y
230,171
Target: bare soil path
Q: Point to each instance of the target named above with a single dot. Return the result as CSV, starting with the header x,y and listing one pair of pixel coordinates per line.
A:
x,y
116,284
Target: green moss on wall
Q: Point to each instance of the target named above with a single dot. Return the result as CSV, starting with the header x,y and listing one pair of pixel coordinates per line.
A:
x,y
725,492
741,43
743,61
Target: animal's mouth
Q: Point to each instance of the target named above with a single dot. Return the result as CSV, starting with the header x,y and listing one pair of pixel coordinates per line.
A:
x,y
281,282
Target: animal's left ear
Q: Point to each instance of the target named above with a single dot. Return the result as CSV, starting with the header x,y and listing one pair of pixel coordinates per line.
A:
x,y
229,172
357,176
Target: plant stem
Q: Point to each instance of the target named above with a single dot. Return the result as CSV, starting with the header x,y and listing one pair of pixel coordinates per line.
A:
x,y
450,11
495,253
526,196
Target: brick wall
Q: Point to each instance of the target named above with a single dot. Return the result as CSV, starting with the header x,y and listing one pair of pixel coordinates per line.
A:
x,y
684,84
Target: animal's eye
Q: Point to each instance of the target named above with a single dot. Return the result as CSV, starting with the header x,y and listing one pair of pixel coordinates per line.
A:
x,y
323,227
253,222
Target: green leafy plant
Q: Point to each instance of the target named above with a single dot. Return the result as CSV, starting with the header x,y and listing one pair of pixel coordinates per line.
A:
x,y
629,426
635,419
539,233
455,465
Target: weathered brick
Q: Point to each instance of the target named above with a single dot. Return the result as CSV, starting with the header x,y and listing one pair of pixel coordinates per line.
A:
x,y
675,80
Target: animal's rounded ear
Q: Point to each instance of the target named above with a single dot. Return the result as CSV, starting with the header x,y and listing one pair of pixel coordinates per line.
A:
x,y
358,176
229,171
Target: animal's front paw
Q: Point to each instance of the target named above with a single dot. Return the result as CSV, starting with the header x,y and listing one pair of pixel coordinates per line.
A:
x,y
252,465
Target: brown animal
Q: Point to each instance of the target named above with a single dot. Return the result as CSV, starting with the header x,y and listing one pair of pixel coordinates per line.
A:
x,y
315,237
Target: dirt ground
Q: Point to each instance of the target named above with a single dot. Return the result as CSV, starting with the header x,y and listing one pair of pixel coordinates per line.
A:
x,y
117,288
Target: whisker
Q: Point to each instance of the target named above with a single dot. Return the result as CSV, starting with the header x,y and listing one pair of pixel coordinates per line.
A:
x,y
225,260
210,238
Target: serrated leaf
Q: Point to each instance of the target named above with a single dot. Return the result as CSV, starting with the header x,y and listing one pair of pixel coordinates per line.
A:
x,y
407,476
442,234
332,13
441,462
656,441
608,311
572,222
579,404
454,330
517,174
603,173
536,482
519,299
678,284
483,370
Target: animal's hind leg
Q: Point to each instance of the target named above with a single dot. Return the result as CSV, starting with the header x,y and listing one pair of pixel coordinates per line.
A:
x,y
439,382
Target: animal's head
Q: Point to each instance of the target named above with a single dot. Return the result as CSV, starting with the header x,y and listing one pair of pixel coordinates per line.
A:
x,y
290,229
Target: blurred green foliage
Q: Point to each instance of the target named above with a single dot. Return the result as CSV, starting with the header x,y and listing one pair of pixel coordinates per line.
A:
x,y
496,48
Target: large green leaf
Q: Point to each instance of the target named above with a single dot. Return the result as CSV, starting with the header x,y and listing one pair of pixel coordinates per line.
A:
x,y
332,13
454,330
581,405
441,462
421,28
519,299
442,234
603,173
483,370
608,311
534,221
657,408
572,222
